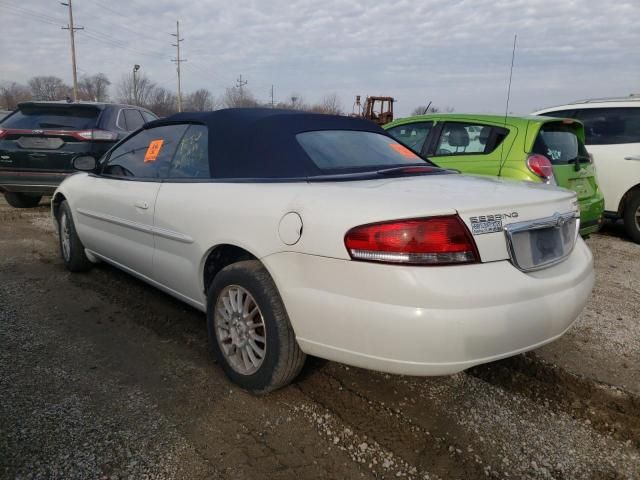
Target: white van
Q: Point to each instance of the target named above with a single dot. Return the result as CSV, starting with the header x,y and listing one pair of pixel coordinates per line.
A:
x,y
612,129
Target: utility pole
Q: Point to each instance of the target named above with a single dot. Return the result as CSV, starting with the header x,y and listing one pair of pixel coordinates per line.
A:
x,y
136,67
240,83
272,106
72,30
178,61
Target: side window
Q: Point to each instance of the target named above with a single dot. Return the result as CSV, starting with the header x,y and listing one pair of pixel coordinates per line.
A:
x,y
459,138
120,123
192,155
145,154
133,119
148,117
412,135
608,126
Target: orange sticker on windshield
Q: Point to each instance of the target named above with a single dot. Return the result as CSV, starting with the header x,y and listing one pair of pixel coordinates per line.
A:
x,y
402,150
153,150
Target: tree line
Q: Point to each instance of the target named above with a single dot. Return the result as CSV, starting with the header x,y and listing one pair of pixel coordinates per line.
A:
x,y
147,93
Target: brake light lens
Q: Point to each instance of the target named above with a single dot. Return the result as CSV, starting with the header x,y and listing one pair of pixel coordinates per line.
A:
x,y
541,166
95,135
2,133
441,240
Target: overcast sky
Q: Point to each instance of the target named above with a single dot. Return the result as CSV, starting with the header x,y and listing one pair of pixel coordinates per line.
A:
x,y
454,53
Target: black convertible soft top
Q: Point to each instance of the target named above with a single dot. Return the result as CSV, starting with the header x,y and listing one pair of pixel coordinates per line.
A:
x,y
255,143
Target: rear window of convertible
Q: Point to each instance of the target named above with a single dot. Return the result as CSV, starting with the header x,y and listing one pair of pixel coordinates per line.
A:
x,y
335,150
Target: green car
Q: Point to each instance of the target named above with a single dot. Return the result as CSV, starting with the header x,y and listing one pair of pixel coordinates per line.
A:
x,y
536,149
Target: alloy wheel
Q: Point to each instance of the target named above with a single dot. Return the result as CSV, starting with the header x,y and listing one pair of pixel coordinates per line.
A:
x,y
240,329
65,236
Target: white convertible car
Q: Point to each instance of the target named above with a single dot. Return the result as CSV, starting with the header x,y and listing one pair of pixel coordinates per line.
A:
x,y
313,234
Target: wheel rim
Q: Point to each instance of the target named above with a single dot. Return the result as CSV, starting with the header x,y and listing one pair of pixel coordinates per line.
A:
x,y
638,218
240,329
65,236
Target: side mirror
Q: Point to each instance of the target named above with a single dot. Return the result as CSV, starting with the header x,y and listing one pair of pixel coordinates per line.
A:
x,y
84,163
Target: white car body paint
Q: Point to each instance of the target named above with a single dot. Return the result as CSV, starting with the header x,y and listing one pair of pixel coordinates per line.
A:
x,y
420,320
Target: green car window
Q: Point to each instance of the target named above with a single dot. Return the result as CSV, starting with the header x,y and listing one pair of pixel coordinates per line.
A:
x,y
459,138
412,135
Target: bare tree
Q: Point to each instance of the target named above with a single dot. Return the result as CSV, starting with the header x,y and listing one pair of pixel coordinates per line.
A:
x,y
162,102
12,93
295,102
94,87
138,94
423,109
200,101
48,87
236,97
329,104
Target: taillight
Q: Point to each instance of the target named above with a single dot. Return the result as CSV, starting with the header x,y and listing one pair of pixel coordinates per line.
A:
x,y
541,166
2,133
94,135
424,241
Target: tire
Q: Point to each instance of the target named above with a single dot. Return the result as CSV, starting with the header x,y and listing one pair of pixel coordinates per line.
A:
x,y
631,216
232,329
71,248
22,200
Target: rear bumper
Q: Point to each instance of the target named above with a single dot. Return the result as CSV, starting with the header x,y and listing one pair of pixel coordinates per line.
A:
x,y
591,214
31,182
427,320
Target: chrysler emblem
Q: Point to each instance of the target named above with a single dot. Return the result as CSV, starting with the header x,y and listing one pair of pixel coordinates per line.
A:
x,y
37,132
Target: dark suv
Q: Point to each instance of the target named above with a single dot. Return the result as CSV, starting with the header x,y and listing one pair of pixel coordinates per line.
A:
x,y
39,140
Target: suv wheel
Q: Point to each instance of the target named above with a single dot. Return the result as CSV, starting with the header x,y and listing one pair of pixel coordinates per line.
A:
x,y
632,216
22,200
249,330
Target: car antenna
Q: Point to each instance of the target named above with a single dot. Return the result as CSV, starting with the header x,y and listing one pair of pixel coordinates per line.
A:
x,y
426,110
506,109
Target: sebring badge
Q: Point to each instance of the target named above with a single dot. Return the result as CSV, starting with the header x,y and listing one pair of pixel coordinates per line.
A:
x,y
489,223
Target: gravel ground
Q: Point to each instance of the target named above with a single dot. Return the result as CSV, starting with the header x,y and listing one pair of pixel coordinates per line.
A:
x,y
102,376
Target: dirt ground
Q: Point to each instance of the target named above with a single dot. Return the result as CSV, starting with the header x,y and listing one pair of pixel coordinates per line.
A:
x,y
102,376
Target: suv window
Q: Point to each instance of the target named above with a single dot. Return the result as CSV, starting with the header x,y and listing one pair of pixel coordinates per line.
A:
x,y
148,117
458,138
145,154
607,126
412,135
559,143
192,155
63,117
560,114
133,119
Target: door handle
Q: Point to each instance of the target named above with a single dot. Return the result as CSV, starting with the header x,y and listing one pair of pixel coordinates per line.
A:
x,y
632,157
142,204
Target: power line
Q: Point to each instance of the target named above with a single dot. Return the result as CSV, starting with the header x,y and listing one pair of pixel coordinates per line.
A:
x,y
104,38
120,17
29,13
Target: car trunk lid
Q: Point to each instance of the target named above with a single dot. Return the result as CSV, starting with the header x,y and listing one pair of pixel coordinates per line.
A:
x,y
562,142
486,205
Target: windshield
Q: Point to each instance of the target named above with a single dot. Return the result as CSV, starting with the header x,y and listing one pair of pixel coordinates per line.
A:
x,y
560,144
336,151
55,118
